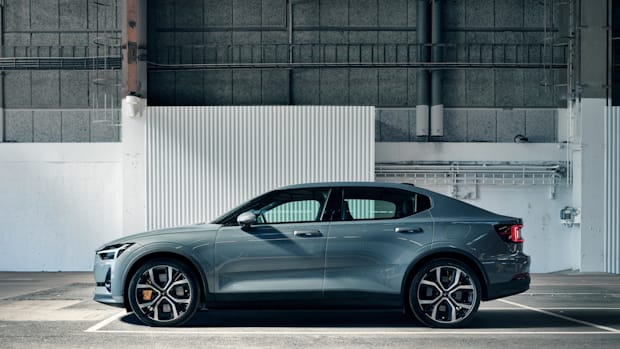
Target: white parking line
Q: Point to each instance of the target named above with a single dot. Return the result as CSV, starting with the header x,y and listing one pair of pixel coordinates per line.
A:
x,y
581,322
364,332
96,327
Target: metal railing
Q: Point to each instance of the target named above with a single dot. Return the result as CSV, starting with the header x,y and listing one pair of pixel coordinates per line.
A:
x,y
472,174
406,55
60,57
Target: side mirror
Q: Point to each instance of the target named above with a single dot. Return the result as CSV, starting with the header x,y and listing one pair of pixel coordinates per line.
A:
x,y
246,219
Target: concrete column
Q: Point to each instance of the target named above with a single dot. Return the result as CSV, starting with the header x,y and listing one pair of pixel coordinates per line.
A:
x,y
423,89
436,74
593,99
133,141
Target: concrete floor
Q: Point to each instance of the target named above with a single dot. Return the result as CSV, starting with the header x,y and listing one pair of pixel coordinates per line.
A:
x,y
561,310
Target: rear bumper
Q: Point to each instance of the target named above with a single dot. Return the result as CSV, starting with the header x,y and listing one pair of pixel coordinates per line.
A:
x,y
510,276
505,289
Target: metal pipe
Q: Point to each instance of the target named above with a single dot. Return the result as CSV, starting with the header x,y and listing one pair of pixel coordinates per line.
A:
x,y
436,121
423,96
2,118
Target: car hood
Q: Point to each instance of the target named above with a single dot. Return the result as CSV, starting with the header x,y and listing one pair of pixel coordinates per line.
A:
x,y
138,238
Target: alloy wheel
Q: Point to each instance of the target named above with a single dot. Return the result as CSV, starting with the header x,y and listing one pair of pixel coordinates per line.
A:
x,y
446,294
163,293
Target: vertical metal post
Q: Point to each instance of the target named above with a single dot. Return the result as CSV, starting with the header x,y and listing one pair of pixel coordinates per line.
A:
x,y
423,98
436,117
289,25
2,121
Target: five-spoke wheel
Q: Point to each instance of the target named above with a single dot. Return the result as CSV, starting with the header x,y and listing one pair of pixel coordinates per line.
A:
x,y
444,293
163,292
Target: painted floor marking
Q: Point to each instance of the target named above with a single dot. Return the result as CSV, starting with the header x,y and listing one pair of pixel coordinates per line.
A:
x,y
101,324
581,322
364,332
97,328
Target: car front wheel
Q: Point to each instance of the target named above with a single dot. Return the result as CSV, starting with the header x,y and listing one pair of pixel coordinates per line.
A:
x,y
445,293
163,292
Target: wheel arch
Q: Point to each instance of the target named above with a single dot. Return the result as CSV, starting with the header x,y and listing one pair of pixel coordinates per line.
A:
x,y
202,282
451,253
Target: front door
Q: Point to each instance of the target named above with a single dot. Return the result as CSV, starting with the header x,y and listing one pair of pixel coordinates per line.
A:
x,y
283,252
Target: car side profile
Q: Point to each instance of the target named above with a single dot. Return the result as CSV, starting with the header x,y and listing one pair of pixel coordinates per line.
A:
x,y
342,244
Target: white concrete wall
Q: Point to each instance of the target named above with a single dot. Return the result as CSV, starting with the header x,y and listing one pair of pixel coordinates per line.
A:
x,y
58,203
553,246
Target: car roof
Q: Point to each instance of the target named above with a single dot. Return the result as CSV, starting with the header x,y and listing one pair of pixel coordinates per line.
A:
x,y
405,186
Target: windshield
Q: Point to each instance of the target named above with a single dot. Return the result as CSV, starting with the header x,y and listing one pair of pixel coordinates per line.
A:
x,y
232,214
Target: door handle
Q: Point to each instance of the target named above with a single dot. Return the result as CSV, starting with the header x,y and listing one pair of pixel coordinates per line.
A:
x,y
307,233
409,230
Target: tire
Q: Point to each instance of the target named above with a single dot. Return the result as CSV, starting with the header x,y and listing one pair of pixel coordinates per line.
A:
x,y
444,293
163,292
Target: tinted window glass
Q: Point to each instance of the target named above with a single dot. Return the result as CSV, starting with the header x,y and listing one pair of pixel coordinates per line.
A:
x,y
293,211
380,203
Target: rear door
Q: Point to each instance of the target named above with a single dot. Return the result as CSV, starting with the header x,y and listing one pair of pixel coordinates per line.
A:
x,y
374,237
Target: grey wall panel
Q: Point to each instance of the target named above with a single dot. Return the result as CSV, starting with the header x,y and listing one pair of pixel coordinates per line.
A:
x,y
393,87
333,12
19,126
218,87
481,125
76,126
73,93
46,89
511,123
73,14
44,14
363,86
17,14
395,125
334,88
454,13
275,85
246,12
508,87
479,13
540,125
246,87
202,161
363,13
47,126
612,191
274,13
508,13
305,87
455,125
104,132
18,89
392,13
479,87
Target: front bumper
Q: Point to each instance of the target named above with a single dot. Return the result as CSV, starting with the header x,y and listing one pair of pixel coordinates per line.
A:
x,y
105,291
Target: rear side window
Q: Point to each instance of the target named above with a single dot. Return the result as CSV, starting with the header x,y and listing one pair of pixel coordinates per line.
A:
x,y
380,203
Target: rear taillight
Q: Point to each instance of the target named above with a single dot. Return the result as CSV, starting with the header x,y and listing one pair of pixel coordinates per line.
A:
x,y
510,232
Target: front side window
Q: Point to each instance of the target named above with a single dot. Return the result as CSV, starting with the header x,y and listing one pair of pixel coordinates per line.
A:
x,y
381,203
292,211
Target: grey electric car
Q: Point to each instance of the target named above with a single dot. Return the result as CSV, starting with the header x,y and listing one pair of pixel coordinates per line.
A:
x,y
322,245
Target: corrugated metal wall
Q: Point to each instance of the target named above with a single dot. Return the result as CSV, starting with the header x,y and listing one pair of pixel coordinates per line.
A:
x,y
202,161
612,190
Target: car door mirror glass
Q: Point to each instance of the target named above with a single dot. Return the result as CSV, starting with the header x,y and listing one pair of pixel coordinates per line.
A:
x,y
246,219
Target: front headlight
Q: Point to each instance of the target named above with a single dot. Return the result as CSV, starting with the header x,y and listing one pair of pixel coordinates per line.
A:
x,y
113,251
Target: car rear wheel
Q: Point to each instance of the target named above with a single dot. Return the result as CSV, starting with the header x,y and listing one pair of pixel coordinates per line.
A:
x,y
444,293
163,292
